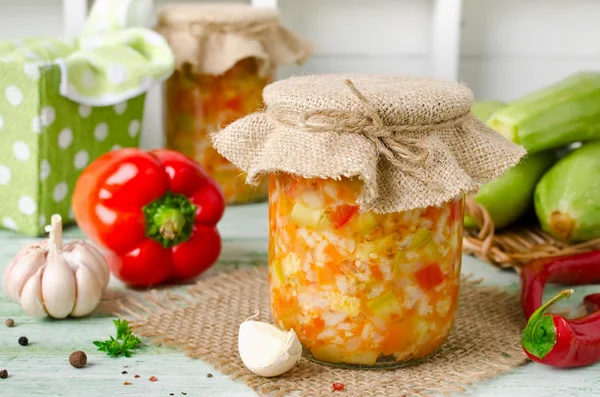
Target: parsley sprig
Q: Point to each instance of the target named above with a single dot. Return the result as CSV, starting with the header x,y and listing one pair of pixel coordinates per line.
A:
x,y
122,344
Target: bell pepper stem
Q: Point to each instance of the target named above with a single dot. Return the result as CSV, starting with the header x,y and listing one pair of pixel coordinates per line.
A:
x,y
55,240
170,219
539,336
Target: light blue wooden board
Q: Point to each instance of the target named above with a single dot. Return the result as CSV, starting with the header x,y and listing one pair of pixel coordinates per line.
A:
x,y
42,369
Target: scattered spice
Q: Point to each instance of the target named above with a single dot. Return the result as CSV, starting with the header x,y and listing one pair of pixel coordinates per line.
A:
x,y
136,376
9,323
23,341
126,383
171,394
78,359
209,375
124,372
153,378
3,374
184,393
338,386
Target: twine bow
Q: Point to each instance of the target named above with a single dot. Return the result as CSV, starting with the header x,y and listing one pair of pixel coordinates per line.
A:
x,y
403,152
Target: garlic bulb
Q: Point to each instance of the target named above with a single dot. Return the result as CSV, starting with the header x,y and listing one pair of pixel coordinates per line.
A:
x,y
266,350
56,280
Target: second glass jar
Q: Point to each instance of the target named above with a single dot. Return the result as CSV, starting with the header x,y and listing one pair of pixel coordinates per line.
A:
x,y
198,105
361,288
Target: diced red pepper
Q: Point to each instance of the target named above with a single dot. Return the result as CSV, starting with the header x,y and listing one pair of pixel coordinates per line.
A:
x,y
429,276
342,214
338,386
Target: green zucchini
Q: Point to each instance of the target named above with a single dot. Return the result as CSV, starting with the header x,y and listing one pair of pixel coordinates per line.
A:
x,y
567,198
484,109
508,197
555,116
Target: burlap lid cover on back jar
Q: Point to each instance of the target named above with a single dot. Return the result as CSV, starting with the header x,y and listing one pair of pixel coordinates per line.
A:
x,y
212,37
412,141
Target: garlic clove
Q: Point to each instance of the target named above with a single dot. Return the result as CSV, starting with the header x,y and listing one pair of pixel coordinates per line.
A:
x,y
100,267
20,270
58,286
31,296
89,292
266,350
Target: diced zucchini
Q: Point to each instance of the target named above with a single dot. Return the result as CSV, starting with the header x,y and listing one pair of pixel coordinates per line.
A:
x,y
306,216
365,358
556,116
363,250
327,353
364,223
386,245
421,237
399,260
345,304
384,305
277,276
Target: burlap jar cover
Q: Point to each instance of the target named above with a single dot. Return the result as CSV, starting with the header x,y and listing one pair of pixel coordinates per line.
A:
x,y
214,37
412,141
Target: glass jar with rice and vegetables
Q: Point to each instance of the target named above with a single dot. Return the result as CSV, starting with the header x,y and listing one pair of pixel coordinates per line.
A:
x,y
367,176
225,55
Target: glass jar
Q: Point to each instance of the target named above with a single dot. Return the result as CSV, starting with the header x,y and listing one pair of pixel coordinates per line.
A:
x,y
198,105
361,288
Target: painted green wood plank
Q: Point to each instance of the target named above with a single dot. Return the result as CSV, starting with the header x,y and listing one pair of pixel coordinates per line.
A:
x,y
42,368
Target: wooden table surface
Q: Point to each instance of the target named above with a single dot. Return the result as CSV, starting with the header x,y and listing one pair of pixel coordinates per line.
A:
x,y
42,368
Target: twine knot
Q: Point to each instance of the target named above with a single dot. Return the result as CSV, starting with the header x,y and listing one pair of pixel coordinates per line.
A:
x,y
403,152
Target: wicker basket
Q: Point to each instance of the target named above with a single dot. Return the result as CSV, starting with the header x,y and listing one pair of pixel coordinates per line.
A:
x,y
513,247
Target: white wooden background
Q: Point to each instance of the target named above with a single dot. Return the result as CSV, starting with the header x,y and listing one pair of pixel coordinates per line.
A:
x,y
501,49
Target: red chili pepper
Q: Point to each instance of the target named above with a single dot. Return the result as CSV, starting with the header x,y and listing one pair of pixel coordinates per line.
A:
x,y
550,338
155,213
575,269
553,340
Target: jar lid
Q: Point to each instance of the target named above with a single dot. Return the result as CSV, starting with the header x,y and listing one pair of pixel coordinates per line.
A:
x,y
412,141
213,37
398,100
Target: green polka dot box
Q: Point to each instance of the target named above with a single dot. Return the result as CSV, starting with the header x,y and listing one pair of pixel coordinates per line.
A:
x,y
63,103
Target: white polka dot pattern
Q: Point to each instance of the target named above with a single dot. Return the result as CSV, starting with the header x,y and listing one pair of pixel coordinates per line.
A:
x,y
65,137
21,151
13,94
60,191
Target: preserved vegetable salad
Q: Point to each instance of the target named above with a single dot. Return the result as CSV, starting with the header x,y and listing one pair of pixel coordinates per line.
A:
x,y
359,287
198,105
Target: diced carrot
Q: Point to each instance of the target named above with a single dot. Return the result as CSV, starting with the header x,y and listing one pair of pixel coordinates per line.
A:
x,y
332,252
429,277
376,273
396,337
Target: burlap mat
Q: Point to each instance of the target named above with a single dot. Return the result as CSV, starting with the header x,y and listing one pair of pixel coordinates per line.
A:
x,y
204,324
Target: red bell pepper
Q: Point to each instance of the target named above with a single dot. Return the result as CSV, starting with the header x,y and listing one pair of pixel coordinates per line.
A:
x,y
154,213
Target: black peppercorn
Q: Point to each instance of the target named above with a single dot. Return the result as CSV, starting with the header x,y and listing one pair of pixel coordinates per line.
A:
x,y
3,374
209,375
23,341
